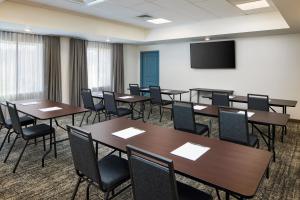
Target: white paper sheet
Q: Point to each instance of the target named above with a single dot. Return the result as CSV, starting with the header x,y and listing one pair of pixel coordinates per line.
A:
x,y
231,97
30,103
250,114
197,107
128,133
126,97
190,151
50,109
166,90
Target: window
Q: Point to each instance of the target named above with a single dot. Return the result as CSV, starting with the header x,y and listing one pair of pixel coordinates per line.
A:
x,y
21,66
99,64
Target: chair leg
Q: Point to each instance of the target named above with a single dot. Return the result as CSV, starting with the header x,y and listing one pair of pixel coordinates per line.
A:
x,y
106,195
87,119
161,111
19,159
82,119
94,117
44,143
150,111
11,147
76,188
47,152
5,137
8,139
88,191
257,145
218,194
99,117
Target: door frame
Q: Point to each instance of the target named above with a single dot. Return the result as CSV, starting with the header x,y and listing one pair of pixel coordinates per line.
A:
x,y
141,68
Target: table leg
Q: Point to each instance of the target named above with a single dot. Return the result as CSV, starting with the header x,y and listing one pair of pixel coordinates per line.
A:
x,y
173,97
132,108
97,150
180,96
227,196
73,119
273,141
190,95
198,96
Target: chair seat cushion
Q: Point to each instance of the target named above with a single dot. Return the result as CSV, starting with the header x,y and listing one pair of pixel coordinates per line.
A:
x,y
99,107
113,171
24,120
201,128
253,140
123,111
37,131
186,192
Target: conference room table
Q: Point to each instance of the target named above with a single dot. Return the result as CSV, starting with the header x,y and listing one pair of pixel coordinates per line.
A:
x,y
235,169
47,110
282,103
259,117
207,90
132,100
171,93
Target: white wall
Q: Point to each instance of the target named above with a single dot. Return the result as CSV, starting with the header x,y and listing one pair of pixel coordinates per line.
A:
x,y
266,65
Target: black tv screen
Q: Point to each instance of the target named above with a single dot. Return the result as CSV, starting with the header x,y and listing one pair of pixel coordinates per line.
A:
x,y
213,55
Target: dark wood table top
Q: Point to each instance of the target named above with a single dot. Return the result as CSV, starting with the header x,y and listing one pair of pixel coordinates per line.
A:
x,y
232,167
134,98
269,118
33,110
211,90
272,102
166,91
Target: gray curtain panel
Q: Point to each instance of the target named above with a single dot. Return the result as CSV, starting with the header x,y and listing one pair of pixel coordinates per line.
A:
x,y
118,68
52,63
78,70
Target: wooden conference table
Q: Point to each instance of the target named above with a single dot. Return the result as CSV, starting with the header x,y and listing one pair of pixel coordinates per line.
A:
x,y
33,110
272,102
260,117
132,101
169,92
207,90
234,168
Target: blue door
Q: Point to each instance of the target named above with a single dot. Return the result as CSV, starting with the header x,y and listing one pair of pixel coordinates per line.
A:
x,y
149,68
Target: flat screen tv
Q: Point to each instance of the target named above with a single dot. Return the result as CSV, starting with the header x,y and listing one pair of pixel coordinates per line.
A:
x,y
213,55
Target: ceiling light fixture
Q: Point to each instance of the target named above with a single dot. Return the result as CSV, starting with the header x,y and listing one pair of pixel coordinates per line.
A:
x,y
159,21
27,30
253,5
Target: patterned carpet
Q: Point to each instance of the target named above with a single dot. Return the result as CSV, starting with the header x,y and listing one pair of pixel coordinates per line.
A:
x,y
57,179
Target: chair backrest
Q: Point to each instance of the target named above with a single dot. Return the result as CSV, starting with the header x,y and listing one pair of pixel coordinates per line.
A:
x,y
233,125
152,176
2,118
110,103
83,153
258,102
15,120
134,89
155,95
220,99
87,99
183,116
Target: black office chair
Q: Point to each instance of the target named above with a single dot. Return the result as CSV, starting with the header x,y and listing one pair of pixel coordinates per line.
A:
x,y
184,119
156,100
7,123
111,107
233,127
134,89
258,102
88,103
29,133
220,99
153,178
105,174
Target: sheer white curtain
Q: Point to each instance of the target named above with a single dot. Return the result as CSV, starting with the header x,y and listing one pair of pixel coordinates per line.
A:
x,y
21,66
99,64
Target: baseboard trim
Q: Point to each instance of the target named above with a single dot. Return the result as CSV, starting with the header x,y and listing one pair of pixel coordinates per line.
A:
x,y
294,120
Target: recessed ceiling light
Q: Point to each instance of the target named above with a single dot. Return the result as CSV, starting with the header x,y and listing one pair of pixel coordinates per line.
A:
x,y
27,30
158,21
253,5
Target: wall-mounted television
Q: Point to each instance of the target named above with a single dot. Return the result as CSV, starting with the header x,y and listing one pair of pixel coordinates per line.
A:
x,y
213,55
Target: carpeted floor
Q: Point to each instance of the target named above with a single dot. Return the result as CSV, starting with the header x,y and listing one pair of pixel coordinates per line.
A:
x,y
57,179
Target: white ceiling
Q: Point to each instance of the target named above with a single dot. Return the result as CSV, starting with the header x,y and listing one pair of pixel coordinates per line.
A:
x,y
180,12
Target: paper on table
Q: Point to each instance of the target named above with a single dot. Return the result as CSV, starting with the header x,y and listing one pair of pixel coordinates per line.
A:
x,y
190,151
128,133
197,107
126,97
50,109
166,90
231,97
29,103
250,114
